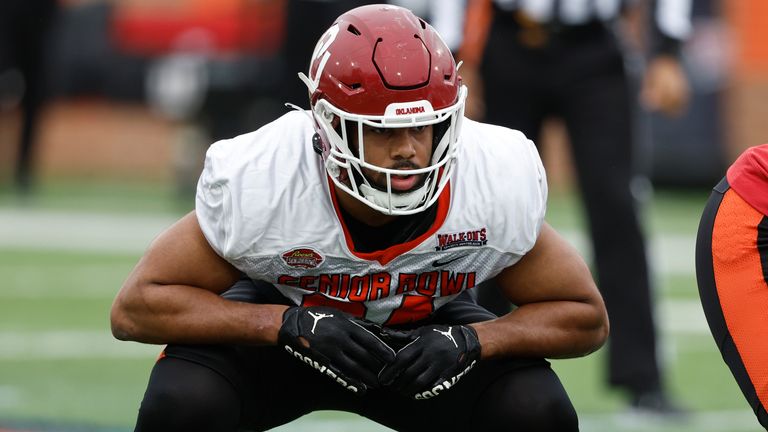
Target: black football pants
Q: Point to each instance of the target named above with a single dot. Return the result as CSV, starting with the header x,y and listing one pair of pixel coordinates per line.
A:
x,y
229,388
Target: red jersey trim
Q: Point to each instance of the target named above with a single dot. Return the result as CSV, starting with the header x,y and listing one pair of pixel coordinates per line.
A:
x,y
387,255
748,176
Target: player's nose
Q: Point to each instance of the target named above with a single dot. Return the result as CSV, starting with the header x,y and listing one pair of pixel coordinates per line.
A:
x,y
402,144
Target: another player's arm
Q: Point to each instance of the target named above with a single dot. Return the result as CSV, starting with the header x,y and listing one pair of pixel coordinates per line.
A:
x,y
172,296
560,311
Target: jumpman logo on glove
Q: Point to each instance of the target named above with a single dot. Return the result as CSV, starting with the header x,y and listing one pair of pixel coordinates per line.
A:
x,y
448,335
318,317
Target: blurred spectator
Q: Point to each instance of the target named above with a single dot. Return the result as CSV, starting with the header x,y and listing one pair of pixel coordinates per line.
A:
x,y
24,29
446,16
212,67
87,60
528,60
690,150
209,61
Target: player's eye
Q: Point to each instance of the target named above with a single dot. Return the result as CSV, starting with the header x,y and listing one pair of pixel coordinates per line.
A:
x,y
381,131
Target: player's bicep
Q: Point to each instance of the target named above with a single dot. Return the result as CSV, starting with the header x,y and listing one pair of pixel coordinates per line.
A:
x,y
551,271
181,255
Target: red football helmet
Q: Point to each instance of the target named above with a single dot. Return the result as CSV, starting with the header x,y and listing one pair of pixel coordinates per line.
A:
x,y
382,66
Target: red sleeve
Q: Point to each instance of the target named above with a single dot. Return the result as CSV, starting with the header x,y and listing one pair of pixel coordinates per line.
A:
x,y
748,176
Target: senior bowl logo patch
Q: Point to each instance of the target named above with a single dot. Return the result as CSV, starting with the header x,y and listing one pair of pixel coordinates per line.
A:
x,y
303,258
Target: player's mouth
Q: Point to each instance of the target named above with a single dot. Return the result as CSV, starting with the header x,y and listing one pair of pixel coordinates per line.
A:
x,y
404,183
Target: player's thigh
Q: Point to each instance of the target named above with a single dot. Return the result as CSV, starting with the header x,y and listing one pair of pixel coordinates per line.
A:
x,y
526,399
497,395
183,395
271,386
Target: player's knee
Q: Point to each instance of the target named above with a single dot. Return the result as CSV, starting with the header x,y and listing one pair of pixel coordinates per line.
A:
x,y
549,414
527,400
199,400
538,414
160,407
173,408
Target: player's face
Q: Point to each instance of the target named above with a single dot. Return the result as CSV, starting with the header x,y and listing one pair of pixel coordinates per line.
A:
x,y
397,148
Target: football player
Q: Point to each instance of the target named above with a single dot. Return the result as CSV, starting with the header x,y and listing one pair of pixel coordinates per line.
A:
x,y
732,273
357,231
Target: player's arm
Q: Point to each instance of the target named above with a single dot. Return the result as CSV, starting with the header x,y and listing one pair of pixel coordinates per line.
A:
x,y
560,311
172,296
560,314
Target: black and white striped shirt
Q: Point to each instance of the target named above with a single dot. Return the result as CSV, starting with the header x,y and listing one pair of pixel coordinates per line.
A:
x,y
671,22
671,17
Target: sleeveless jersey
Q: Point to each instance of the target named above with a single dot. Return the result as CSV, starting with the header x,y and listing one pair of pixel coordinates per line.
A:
x,y
265,204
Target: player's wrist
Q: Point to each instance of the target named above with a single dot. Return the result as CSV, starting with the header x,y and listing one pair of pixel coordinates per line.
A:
x,y
252,324
485,336
473,341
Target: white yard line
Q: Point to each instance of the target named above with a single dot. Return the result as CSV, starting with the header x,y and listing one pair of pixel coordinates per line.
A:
x,y
9,396
668,252
78,231
681,316
88,231
70,344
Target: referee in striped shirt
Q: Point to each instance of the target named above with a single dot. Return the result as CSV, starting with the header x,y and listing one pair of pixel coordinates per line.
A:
x,y
527,60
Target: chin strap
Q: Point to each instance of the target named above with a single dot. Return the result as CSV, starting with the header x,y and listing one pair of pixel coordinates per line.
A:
x,y
400,201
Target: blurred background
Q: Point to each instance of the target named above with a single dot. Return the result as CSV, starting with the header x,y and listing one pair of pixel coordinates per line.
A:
x,y
107,108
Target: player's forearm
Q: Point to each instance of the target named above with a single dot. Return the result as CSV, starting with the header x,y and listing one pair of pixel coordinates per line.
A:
x,y
182,314
555,329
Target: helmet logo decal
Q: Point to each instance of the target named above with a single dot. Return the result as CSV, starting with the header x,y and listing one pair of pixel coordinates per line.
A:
x,y
321,49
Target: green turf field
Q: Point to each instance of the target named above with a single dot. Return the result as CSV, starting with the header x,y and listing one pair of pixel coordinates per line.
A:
x,y
65,252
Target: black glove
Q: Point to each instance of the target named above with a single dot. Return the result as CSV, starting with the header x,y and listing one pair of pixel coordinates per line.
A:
x,y
336,344
434,360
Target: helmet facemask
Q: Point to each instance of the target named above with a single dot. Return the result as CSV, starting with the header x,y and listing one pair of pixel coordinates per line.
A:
x,y
381,66
345,161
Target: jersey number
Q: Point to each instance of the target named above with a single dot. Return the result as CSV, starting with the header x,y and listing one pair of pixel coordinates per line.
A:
x,y
414,307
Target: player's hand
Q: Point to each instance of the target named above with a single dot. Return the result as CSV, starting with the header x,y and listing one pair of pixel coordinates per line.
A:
x,y
336,344
433,361
665,86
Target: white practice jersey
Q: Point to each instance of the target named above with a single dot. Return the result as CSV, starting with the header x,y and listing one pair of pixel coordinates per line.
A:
x,y
265,204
